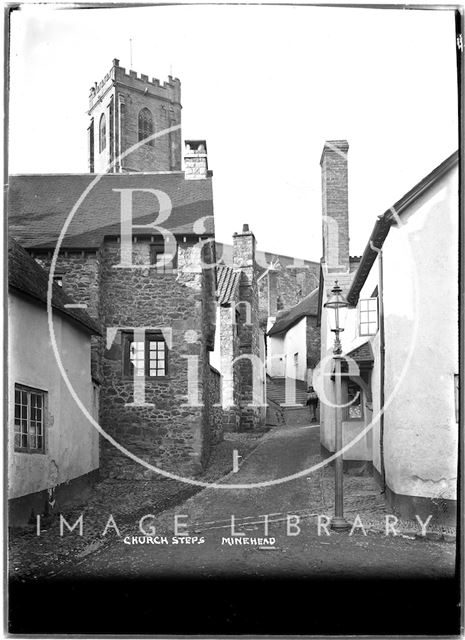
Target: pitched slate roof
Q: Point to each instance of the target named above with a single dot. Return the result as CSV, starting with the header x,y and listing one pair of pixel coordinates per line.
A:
x,y
308,306
227,283
27,277
362,353
38,206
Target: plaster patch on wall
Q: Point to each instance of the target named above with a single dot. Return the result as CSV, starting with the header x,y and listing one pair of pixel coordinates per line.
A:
x,y
440,489
53,474
443,482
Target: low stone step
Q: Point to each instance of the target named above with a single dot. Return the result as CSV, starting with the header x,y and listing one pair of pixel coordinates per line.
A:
x,y
297,416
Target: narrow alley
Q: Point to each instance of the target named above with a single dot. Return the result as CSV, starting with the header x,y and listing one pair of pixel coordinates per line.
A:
x,y
292,549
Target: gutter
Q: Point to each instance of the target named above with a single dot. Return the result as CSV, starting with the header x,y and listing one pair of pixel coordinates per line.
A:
x,y
390,218
382,350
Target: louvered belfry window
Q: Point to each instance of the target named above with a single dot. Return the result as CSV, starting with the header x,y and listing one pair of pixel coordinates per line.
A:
x,y
102,142
145,125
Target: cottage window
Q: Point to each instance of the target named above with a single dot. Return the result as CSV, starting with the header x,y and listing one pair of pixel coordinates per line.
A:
x,y
29,419
164,261
354,410
145,125
368,313
147,357
58,280
102,141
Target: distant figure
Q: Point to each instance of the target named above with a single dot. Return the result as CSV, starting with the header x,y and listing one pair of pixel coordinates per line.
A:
x,y
312,401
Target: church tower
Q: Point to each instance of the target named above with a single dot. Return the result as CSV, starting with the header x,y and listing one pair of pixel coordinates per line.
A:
x,y
125,109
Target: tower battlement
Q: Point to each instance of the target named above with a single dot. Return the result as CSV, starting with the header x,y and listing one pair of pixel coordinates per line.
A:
x,y
126,109
169,90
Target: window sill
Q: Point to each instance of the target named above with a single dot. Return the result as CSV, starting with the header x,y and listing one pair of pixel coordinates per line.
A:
x,y
153,267
33,453
149,379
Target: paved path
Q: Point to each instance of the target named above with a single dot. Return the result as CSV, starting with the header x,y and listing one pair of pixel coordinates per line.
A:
x,y
208,515
305,584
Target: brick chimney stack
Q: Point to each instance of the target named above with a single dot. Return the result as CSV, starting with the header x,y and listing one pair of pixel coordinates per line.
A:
x,y
244,250
248,329
334,182
195,160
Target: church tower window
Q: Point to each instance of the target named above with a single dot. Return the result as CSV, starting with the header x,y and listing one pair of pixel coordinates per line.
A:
x,y
102,133
132,107
145,125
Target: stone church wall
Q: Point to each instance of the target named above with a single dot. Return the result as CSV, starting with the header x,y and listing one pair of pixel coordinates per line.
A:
x,y
171,434
81,278
284,288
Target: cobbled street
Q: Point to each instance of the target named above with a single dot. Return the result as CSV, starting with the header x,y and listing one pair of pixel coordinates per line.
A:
x,y
298,546
354,572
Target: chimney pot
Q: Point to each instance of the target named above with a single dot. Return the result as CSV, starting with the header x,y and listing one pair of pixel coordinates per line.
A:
x,y
195,160
245,228
115,62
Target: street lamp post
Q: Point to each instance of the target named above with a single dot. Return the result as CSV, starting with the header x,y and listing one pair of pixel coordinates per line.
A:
x,y
336,304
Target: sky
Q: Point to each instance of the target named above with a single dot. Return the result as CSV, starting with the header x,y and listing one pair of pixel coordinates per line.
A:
x,y
265,86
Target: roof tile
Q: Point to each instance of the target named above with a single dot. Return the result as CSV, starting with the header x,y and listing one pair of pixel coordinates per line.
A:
x,y
308,306
228,281
26,276
39,205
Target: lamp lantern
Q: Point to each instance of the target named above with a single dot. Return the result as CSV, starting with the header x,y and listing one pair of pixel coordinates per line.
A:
x,y
337,310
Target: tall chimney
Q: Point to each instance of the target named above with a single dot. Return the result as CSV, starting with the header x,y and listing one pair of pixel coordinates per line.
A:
x,y
244,251
248,326
335,205
195,160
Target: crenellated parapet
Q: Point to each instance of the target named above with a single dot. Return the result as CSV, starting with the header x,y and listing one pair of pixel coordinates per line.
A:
x,y
169,90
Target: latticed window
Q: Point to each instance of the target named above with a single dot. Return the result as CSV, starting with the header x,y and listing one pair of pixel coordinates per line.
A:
x,y
354,410
102,141
147,357
145,125
368,310
29,419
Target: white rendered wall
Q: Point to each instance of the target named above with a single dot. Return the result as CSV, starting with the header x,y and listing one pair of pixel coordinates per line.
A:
x,y
295,341
275,359
421,316
71,442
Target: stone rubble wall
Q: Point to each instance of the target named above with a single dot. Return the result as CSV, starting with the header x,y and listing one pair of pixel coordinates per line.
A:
x,y
165,432
216,412
287,287
81,273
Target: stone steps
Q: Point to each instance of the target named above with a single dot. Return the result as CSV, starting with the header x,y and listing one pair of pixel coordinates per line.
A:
x,y
276,391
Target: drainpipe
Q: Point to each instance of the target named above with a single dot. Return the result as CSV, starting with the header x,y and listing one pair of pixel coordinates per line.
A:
x,y
379,251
